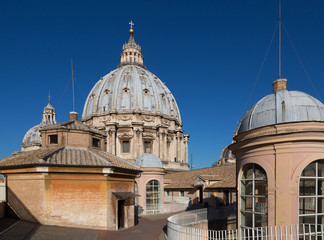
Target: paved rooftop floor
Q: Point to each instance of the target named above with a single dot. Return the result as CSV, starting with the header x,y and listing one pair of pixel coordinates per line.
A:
x,y
149,228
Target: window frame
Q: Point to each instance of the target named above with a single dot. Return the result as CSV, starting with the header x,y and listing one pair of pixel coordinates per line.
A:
x,y
155,205
149,146
315,196
50,139
97,140
123,146
253,196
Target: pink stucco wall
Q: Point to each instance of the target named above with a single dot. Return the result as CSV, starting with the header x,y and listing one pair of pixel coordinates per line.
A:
x,y
283,151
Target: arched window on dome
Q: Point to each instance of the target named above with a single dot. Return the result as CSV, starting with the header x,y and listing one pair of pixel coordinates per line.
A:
x,y
153,197
254,197
311,194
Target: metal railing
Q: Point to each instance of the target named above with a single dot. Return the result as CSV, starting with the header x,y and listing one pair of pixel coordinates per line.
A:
x,y
190,226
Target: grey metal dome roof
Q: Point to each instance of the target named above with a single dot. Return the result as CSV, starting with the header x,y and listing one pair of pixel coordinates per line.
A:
x,y
149,160
131,88
282,107
33,136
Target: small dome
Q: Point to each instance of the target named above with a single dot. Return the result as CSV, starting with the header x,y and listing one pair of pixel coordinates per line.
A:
x,y
227,154
282,106
33,137
149,160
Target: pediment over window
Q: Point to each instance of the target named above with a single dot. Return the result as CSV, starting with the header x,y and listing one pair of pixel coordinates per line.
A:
x,y
125,136
148,136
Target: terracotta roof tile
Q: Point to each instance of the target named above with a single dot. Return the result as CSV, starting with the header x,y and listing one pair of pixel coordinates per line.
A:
x,y
72,125
66,156
224,176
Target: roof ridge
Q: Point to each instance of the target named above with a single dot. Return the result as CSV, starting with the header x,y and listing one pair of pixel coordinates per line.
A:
x,y
118,158
45,156
98,155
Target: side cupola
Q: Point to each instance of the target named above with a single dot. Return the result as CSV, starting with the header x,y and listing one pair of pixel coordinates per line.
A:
x,y
33,139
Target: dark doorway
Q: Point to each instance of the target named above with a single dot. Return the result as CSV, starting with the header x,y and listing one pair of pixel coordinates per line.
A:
x,y
226,198
200,189
121,214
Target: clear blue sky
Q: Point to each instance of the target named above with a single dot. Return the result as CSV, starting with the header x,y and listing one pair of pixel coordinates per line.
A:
x,y
208,52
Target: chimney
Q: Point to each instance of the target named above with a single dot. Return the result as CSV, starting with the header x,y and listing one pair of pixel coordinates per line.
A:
x,y
279,85
73,116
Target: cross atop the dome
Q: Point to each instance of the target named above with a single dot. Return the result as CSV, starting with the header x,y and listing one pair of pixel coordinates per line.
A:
x,y
131,24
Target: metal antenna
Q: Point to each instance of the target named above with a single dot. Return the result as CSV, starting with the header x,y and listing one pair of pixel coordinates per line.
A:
x,y
72,84
279,39
191,162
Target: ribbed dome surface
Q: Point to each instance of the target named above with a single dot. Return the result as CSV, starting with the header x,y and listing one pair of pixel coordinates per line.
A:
x,y
130,88
33,137
282,107
148,160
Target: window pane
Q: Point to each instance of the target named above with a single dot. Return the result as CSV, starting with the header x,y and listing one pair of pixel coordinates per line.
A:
x,y
248,172
95,142
147,146
242,187
261,205
260,188
53,139
259,173
307,205
307,187
247,187
320,219
309,171
320,205
321,168
126,146
307,219
246,203
320,187
246,219
261,220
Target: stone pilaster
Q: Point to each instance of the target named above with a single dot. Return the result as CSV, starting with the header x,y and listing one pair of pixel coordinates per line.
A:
x,y
186,141
111,137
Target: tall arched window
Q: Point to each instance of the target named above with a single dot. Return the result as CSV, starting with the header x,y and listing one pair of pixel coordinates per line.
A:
x,y
311,193
254,197
153,197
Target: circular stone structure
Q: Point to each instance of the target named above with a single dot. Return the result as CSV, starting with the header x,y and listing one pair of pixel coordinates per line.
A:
x,y
138,112
279,150
150,184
